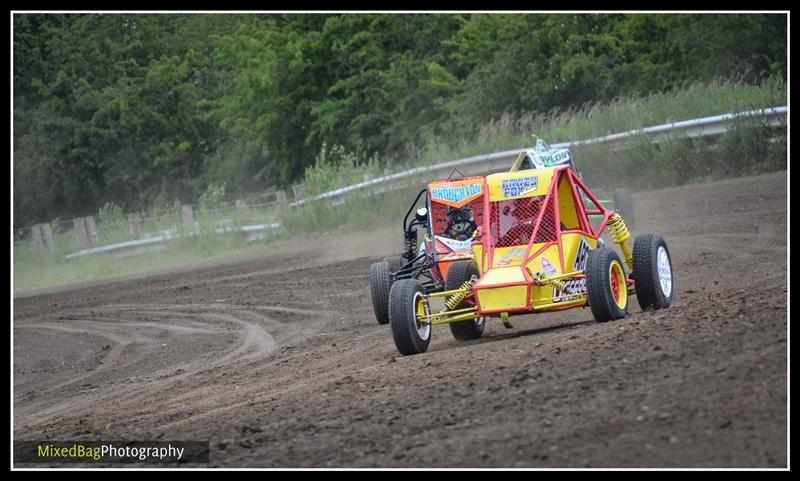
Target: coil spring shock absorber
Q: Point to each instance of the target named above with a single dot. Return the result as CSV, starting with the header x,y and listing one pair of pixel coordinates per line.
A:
x,y
620,234
410,241
453,301
560,285
563,286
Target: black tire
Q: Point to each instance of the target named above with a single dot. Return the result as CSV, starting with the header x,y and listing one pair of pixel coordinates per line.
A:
x,y
395,262
380,283
650,291
606,306
458,273
402,317
623,204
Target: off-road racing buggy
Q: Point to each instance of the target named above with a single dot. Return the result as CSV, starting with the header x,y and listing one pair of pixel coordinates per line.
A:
x,y
542,156
448,212
535,251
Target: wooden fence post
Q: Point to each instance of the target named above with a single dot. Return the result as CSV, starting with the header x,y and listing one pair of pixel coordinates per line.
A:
x,y
188,218
280,202
91,230
135,224
47,237
36,237
299,191
241,207
79,226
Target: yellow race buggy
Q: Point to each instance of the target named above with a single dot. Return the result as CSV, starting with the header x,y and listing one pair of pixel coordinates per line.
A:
x,y
536,251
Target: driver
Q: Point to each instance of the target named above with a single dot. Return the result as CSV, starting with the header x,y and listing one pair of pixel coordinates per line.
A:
x,y
460,223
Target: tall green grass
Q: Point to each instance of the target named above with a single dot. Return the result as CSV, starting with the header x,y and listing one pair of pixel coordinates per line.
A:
x,y
510,130
748,148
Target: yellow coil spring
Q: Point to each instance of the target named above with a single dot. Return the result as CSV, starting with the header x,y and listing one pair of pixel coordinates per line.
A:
x,y
619,232
453,301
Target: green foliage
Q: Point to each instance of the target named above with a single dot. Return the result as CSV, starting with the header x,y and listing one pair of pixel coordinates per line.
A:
x,y
110,213
142,109
336,167
213,197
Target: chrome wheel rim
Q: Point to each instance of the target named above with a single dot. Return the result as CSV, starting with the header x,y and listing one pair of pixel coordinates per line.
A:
x,y
664,271
423,329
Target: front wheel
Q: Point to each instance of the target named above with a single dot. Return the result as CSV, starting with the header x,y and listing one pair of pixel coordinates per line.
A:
x,y
407,304
458,273
652,270
606,285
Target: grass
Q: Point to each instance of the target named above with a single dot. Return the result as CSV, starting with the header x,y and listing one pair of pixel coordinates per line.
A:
x,y
641,165
591,120
34,269
747,149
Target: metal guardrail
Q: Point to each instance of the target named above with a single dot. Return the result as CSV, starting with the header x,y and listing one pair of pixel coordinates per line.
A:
x,y
706,126
251,232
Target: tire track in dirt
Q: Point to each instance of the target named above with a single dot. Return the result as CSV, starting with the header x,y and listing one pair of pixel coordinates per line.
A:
x,y
254,341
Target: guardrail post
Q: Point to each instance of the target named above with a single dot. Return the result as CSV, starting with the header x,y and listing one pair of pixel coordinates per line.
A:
x,y
188,218
280,203
135,224
79,226
91,230
299,191
343,181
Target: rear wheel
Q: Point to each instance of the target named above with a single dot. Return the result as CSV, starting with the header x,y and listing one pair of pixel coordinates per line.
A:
x,y
395,262
458,273
406,304
606,285
380,282
652,270
623,203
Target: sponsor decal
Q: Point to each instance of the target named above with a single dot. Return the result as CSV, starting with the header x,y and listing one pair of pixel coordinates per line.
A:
x,y
513,254
575,286
547,267
455,245
457,193
555,157
515,187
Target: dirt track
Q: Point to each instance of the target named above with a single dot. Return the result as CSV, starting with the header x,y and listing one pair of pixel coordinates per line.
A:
x,y
279,361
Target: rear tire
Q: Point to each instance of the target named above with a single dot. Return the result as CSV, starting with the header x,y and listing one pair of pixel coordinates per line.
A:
x,y
652,270
458,273
623,204
380,282
404,303
606,285
395,262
